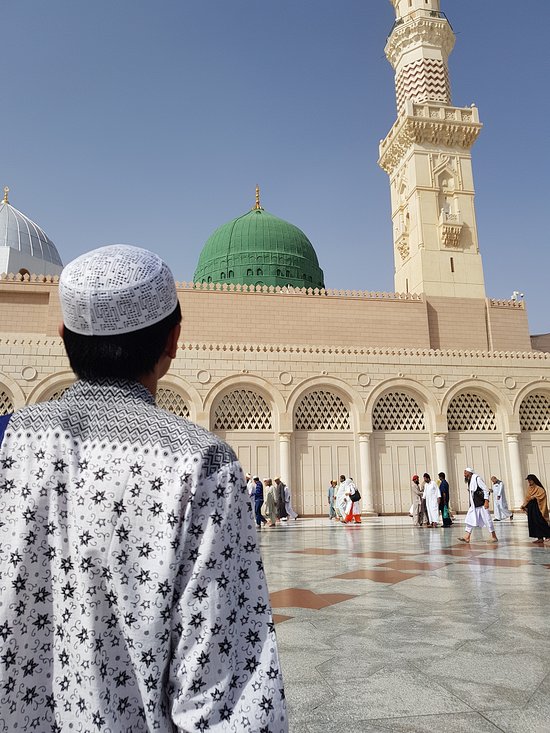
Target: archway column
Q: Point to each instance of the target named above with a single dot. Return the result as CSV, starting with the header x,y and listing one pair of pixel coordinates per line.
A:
x,y
284,457
516,475
365,463
441,454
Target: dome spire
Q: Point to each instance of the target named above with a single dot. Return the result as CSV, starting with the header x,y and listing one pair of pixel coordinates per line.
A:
x,y
257,206
6,191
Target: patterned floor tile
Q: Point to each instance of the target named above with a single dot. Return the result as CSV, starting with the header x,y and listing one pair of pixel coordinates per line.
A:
x,y
301,598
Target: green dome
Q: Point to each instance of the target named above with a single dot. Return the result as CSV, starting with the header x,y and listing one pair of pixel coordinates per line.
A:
x,y
259,249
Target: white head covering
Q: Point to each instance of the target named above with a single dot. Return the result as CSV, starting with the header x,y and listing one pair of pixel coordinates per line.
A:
x,y
470,470
116,289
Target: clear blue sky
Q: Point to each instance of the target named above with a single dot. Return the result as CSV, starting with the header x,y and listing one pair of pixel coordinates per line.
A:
x,y
150,123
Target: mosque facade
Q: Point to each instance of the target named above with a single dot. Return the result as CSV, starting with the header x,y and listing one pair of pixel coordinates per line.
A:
x,y
307,382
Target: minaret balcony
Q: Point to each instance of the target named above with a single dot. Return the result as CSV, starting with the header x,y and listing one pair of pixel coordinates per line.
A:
x,y
450,227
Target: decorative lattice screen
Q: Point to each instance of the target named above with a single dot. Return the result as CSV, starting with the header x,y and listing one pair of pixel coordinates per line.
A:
x,y
6,405
242,410
58,394
171,401
470,412
321,410
534,413
397,411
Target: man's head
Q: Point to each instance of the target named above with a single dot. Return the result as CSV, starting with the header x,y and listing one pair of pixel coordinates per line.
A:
x,y
121,313
426,477
333,482
342,478
277,480
494,480
415,479
468,473
441,475
267,482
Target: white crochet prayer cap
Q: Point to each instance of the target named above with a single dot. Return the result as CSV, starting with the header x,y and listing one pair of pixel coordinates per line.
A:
x,y
469,470
116,289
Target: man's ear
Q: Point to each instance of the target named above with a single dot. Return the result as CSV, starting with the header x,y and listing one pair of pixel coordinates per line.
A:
x,y
172,341
61,329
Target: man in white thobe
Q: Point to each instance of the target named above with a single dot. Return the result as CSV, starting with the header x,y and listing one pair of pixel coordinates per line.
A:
x,y
477,516
432,497
132,594
500,504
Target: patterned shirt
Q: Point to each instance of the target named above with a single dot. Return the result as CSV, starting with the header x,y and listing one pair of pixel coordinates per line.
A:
x,y
132,593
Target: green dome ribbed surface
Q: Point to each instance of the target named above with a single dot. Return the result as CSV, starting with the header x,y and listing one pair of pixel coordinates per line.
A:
x,y
259,249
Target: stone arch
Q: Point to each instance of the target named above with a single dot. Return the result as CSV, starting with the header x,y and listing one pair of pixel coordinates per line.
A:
x,y
478,415
411,388
51,387
246,382
328,384
242,408
536,387
244,411
489,393
11,395
401,413
534,412
325,416
532,407
174,393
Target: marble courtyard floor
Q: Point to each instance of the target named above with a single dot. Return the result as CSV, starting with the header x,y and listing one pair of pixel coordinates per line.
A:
x,y
386,627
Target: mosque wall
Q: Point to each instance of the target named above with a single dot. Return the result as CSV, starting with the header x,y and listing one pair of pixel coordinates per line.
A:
x,y
231,314
310,413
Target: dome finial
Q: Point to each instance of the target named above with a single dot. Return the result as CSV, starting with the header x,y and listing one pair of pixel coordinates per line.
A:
x,y
6,191
257,206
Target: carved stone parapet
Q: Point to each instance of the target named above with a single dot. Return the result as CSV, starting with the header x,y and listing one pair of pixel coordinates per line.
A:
x,y
431,31
433,130
450,226
402,245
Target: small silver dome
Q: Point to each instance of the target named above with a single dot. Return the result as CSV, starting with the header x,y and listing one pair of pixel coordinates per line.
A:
x,y
18,232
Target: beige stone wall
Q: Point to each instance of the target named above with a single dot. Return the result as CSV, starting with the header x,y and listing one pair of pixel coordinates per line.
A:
x,y
264,344
541,342
345,318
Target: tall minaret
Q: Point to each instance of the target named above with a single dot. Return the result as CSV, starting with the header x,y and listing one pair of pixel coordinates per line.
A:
x,y
427,157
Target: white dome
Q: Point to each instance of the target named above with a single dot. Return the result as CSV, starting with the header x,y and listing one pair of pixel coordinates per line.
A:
x,y
19,233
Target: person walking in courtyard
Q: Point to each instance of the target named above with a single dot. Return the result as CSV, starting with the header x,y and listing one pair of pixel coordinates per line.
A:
x,y
290,512
432,497
417,492
132,594
342,501
330,496
478,512
444,505
535,505
279,491
500,504
259,502
354,497
271,504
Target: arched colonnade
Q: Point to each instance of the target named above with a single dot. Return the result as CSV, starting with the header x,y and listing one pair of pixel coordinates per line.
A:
x,y
324,428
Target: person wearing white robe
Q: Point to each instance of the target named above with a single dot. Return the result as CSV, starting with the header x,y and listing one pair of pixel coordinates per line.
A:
x,y
342,502
501,510
477,516
432,497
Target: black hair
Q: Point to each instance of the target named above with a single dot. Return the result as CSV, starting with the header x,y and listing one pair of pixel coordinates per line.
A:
x,y
120,356
427,475
441,474
534,479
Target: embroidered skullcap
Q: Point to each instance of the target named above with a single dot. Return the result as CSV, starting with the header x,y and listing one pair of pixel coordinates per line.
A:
x,y
116,289
469,470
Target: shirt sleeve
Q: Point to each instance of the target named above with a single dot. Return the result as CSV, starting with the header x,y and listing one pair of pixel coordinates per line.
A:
x,y
482,485
225,673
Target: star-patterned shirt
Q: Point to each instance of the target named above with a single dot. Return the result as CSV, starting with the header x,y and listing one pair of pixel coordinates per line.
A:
x,y
132,593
